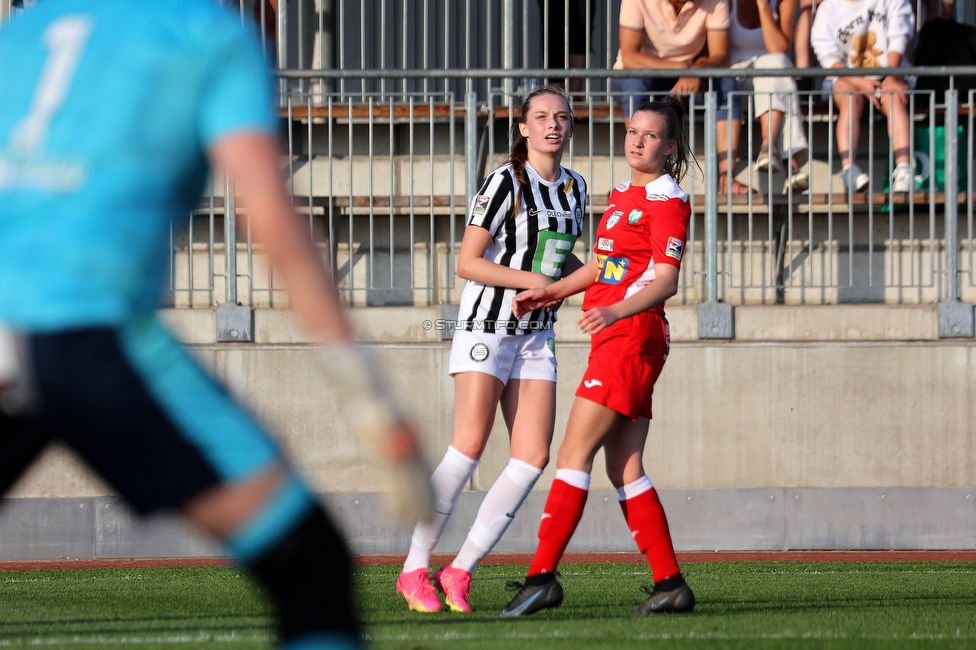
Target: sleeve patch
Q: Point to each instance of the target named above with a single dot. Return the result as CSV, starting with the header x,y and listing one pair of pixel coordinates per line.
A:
x,y
481,204
675,248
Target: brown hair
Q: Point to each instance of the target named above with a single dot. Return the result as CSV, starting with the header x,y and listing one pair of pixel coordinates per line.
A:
x,y
672,110
518,153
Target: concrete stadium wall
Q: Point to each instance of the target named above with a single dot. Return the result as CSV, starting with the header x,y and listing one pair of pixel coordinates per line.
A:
x,y
818,427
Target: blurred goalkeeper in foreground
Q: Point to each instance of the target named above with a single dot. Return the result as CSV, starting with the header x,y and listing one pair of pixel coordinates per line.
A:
x,y
108,120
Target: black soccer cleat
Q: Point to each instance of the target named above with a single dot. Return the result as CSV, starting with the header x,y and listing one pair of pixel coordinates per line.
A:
x,y
670,596
539,592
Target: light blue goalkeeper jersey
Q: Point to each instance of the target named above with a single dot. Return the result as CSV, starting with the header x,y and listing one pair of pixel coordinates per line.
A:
x,y
107,108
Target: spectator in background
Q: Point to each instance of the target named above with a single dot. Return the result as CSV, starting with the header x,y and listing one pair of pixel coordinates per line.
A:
x,y
872,34
759,36
557,24
801,45
678,35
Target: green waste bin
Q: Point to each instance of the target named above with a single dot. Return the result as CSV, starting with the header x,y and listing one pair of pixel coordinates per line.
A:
x,y
929,168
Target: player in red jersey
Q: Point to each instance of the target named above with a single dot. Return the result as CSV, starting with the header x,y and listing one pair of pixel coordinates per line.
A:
x,y
639,246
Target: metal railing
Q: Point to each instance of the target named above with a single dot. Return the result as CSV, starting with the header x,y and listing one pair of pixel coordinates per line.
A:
x,y
385,183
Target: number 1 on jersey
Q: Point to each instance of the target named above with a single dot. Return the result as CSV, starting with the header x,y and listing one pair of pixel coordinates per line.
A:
x,y
65,40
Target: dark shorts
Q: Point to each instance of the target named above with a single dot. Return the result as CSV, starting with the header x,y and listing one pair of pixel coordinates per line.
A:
x,y
624,364
138,409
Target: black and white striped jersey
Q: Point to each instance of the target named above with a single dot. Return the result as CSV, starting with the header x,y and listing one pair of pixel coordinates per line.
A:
x,y
538,238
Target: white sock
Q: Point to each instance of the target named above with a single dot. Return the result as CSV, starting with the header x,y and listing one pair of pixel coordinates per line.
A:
x,y
631,490
574,477
496,512
448,480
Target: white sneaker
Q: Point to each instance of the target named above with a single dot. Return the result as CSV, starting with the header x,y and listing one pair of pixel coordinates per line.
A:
x,y
797,181
854,177
901,178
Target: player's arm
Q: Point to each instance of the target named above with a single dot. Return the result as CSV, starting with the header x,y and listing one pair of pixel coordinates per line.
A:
x,y
472,264
251,159
663,286
572,284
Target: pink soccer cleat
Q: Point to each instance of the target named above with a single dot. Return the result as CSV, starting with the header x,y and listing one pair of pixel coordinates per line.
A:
x,y
456,585
415,587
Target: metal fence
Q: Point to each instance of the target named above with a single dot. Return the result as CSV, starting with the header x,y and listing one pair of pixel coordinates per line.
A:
x,y
396,35
385,181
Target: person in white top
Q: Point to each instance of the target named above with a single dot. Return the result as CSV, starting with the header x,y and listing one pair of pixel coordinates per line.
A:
x,y
520,234
759,34
867,34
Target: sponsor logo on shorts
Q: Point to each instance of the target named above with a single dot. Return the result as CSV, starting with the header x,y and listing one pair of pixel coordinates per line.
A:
x,y
605,244
634,216
551,344
614,270
675,248
479,352
481,204
614,218
590,383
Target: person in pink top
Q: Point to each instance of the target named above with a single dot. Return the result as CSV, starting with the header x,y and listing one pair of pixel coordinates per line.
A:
x,y
676,35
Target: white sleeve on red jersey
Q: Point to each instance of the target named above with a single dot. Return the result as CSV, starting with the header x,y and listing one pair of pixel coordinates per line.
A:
x,y
667,231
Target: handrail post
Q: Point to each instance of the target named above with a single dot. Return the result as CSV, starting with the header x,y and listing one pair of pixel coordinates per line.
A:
x,y
471,180
230,240
508,47
235,323
281,20
715,319
956,318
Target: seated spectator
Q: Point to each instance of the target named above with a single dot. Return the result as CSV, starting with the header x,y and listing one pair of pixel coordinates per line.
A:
x,y
677,35
865,35
801,38
759,37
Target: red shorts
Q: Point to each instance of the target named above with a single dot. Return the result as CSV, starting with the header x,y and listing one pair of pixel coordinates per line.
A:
x,y
625,361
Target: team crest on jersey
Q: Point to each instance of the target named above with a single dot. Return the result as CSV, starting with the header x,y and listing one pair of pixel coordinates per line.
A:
x,y
614,218
675,248
634,216
579,216
605,244
481,204
614,270
479,352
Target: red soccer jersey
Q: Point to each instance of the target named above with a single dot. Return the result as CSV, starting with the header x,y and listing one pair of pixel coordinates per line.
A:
x,y
642,226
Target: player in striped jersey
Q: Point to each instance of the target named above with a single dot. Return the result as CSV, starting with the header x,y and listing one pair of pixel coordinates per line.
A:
x,y
640,243
520,234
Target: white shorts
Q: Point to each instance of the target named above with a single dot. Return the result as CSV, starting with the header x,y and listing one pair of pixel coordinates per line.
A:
x,y
506,356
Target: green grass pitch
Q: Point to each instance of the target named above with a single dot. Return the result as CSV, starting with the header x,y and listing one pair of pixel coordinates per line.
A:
x,y
740,605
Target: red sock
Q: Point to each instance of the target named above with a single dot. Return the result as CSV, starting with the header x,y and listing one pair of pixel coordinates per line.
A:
x,y
562,514
649,525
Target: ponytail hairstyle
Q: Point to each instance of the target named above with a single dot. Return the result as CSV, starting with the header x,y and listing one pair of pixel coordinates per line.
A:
x,y
518,153
671,109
